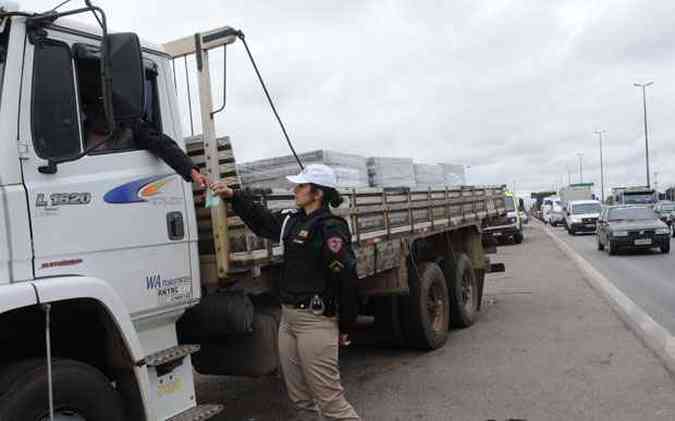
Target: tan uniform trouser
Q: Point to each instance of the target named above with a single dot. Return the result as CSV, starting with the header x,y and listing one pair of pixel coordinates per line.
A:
x,y
308,351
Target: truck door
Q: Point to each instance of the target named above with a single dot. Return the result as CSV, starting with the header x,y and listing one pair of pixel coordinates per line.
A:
x,y
118,214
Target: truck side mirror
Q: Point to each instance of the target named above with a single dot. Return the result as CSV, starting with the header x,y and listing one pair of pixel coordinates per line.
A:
x,y
127,76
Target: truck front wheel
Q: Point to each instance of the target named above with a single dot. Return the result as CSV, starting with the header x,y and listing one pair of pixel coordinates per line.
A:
x,y
426,308
463,292
81,392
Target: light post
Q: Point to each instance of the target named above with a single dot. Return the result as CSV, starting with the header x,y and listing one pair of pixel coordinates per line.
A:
x,y
581,167
602,169
644,107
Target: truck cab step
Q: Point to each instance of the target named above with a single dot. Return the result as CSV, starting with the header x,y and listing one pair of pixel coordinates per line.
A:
x,y
198,413
170,354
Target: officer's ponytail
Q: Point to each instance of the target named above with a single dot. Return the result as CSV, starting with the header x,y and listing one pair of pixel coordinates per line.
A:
x,y
330,196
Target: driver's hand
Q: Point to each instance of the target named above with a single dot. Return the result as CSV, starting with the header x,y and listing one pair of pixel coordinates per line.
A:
x,y
201,180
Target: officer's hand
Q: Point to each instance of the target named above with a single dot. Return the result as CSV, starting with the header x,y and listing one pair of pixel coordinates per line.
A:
x,y
222,190
344,340
201,180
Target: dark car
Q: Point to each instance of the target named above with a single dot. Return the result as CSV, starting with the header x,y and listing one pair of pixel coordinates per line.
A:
x,y
632,227
666,211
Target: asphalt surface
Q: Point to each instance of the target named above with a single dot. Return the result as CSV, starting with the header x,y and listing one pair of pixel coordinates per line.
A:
x,y
647,277
545,347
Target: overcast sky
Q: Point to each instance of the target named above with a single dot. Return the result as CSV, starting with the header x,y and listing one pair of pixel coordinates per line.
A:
x,y
515,89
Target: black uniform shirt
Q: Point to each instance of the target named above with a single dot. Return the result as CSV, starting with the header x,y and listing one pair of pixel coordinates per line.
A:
x,y
318,255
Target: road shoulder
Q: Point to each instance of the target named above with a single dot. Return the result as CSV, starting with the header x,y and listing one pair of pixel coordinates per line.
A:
x,y
652,334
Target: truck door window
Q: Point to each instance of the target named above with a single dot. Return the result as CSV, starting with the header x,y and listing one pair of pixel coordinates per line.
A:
x,y
54,109
94,125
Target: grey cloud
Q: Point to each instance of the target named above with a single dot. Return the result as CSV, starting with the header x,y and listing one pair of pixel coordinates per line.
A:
x,y
513,88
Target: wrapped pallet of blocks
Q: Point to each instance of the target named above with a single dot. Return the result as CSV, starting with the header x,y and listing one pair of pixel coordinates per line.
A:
x,y
391,172
350,169
429,175
454,174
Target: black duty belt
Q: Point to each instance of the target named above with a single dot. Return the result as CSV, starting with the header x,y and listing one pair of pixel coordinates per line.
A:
x,y
329,305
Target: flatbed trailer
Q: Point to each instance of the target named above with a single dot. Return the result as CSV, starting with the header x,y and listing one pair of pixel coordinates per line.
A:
x,y
407,242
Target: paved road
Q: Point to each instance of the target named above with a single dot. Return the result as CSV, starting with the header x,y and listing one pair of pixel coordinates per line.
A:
x,y
646,277
546,347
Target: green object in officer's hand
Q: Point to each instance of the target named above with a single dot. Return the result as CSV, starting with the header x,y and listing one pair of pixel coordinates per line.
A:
x,y
212,200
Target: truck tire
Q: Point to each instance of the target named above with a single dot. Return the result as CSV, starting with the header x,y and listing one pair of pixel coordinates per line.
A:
x,y
79,390
426,309
601,246
518,237
464,293
611,249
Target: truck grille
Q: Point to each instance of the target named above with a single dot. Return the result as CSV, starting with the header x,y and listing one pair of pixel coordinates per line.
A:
x,y
589,220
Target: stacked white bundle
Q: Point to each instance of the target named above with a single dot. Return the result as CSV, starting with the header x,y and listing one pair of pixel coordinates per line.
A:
x,y
454,174
391,172
429,175
351,170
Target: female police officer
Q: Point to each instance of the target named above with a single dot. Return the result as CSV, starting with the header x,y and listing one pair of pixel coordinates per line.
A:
x,y
316,288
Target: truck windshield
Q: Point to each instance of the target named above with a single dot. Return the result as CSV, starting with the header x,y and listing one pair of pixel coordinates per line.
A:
x,y
586,208
508,203
638,198
637,213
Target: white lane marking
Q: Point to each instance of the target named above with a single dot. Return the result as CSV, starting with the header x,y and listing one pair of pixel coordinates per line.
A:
x,y
652,334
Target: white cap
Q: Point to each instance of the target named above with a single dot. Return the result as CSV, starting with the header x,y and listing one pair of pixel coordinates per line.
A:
x,y
318,174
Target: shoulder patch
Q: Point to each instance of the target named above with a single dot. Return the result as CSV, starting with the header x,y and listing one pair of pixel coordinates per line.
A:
x,y
335,244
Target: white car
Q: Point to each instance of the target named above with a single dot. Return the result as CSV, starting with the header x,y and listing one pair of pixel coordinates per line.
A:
x,y
582,216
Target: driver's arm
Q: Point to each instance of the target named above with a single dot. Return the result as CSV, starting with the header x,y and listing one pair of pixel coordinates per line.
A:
x,y
161,145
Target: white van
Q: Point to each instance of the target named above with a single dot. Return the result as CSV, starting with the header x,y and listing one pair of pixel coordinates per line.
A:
x,y
582,215
553,211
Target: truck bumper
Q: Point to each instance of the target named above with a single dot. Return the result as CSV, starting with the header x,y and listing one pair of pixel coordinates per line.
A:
x,y
501,230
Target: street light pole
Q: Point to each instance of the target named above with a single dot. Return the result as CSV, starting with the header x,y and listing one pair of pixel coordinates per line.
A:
x,y
602,170
644,106
581,168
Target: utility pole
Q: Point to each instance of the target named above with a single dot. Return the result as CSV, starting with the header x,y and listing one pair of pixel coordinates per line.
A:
x,y
644,106
581,167
569,174
602,170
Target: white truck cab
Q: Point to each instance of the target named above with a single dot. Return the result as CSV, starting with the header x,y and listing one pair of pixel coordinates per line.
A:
x,y
99,252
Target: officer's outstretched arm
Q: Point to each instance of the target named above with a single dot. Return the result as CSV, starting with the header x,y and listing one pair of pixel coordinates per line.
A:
x,y
341,263
258,218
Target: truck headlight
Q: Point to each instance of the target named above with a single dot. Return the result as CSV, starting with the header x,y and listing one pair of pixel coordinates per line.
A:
x,y
512,220
620,234
663,231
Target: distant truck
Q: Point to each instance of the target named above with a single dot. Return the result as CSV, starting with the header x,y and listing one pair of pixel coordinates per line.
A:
x,y
580,191
508,227
637,195
538,198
